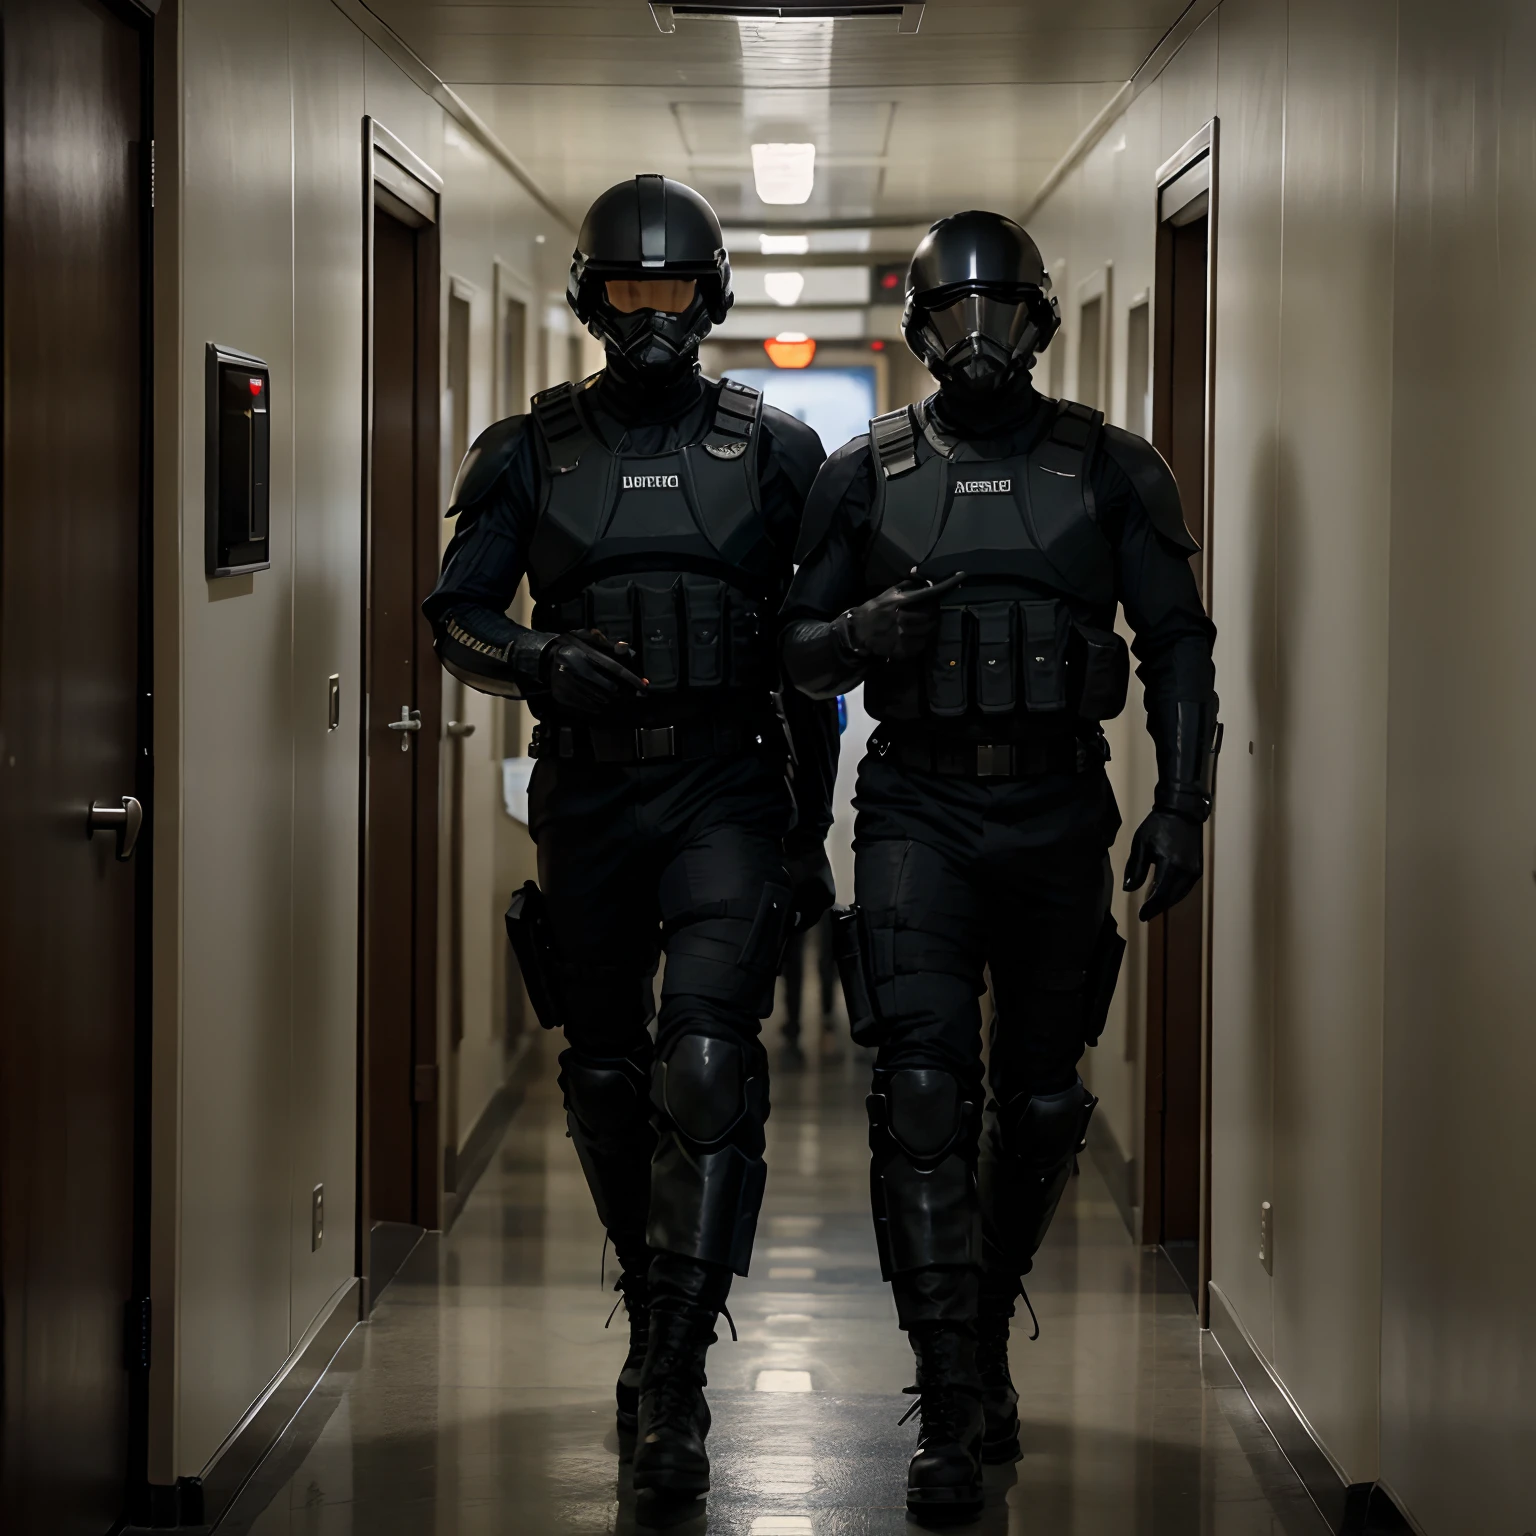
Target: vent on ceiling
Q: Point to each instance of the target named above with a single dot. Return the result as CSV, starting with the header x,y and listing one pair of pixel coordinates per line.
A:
x,y
907,17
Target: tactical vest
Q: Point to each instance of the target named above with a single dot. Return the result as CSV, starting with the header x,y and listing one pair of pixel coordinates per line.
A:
x,y
1011,639
668,552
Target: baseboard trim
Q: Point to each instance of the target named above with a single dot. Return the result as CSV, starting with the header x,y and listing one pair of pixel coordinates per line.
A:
x,y
1351,1509
474,1157
199,1502
1118,1170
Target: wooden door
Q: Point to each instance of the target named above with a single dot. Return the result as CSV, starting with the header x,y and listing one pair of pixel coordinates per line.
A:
x,y
404,688
1176,941
73,732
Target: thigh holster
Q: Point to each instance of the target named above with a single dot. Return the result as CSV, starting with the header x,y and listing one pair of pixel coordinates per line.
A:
x,y
851,950
708,1176
922,1173
1026,1159
608,1114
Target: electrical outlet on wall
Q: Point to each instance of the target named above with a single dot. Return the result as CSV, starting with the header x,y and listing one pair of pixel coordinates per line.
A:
x,y
1267,1236
316,1218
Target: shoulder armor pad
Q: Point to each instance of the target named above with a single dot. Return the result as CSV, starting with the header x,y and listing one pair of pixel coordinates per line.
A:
x,y
564,431
1153,482
488,457
894,440
737,412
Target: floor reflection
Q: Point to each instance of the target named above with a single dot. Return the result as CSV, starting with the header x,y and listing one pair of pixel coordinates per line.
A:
x,y
479,1399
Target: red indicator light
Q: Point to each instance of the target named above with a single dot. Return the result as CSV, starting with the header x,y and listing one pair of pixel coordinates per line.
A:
x,y
889,279
877,346
255,386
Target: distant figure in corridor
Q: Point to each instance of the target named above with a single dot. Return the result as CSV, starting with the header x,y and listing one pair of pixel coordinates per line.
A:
x,y
965,561
655,514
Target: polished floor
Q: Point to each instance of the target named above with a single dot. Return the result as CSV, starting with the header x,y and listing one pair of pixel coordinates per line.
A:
x,y
479,1398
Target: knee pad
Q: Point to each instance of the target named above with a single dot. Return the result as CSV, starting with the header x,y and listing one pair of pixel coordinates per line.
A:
x,y
707,1186
605,1096
923,1129
608,1115
1026,1161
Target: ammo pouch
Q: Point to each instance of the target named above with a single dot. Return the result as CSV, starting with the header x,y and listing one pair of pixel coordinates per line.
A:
x,y
528,930
850,948
687,631
1099,982
1003,657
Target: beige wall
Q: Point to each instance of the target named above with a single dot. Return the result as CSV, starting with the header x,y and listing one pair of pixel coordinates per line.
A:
x,y
1372,980
1458,1335
260,248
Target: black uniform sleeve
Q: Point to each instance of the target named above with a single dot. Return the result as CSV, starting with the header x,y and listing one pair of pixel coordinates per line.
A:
x,y
1174,636
830,579
793,455
484,562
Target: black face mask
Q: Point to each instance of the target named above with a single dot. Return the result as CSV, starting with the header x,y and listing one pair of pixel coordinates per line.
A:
x,y
981,342
652,343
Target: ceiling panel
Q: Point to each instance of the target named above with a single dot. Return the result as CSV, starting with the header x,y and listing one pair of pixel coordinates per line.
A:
x,y
973,110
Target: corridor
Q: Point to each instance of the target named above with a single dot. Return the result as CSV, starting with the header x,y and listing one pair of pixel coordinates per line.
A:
x,y
478,1401
467,459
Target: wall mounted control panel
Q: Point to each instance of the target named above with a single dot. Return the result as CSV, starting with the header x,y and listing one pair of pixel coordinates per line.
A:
x,y
239,463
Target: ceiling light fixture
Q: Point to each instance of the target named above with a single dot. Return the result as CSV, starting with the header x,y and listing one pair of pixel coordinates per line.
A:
x,y
790,349
784,287
784,245
784,173
908,14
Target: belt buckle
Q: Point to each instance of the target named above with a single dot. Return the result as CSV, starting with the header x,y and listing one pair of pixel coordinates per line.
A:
x,y
994,760
655,741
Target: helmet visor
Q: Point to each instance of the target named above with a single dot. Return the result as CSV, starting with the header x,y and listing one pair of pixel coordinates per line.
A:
x,y
669,295
1005,321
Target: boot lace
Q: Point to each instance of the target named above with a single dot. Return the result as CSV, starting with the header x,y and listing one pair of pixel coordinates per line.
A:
x,y
943,1415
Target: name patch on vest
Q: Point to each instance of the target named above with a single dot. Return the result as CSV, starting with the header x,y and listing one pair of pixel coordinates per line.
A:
x,y
650,482
983,487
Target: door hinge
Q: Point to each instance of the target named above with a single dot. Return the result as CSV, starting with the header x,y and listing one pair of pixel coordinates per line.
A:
x,y
136,1334
426,1084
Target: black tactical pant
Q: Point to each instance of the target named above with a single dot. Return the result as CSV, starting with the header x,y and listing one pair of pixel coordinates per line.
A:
x,y
958,879
682,859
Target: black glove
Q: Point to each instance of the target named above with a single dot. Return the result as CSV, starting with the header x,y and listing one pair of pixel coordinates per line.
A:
x,y
811,885
899,623
584,671
1176,845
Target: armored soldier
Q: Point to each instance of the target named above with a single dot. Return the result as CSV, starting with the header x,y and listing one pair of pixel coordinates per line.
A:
x,y
654,513
965,561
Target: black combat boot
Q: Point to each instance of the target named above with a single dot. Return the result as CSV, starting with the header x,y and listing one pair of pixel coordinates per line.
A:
x,y
999,1400
671,1464
944,1476
637,1304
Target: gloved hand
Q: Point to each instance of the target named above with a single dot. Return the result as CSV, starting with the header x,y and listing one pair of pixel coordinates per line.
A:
x,y
899,623
584,671
1176,845
812,889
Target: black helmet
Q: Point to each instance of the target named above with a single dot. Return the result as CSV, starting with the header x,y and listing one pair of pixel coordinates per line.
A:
x,y
979,302
651,227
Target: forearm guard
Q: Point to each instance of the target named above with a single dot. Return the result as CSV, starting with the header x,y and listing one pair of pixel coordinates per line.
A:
x,y
818,658
1188,738
491,653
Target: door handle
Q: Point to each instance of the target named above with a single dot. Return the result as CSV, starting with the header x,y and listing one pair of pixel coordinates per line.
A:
x,y
125,819
461,728
408,723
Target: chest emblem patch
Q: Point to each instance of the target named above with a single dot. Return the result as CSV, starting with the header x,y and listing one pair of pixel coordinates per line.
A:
x,y
983,487
650,482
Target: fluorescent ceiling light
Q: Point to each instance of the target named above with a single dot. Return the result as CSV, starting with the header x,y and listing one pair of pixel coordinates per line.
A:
x,y
784,173
785,288
784,245
840,240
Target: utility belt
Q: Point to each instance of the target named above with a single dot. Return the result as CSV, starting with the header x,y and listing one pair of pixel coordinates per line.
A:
x,y
682,741
686,630
1026,758
1006,657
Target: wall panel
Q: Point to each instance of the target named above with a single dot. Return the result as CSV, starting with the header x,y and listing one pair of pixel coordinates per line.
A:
x,y
1458,1338
237,742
